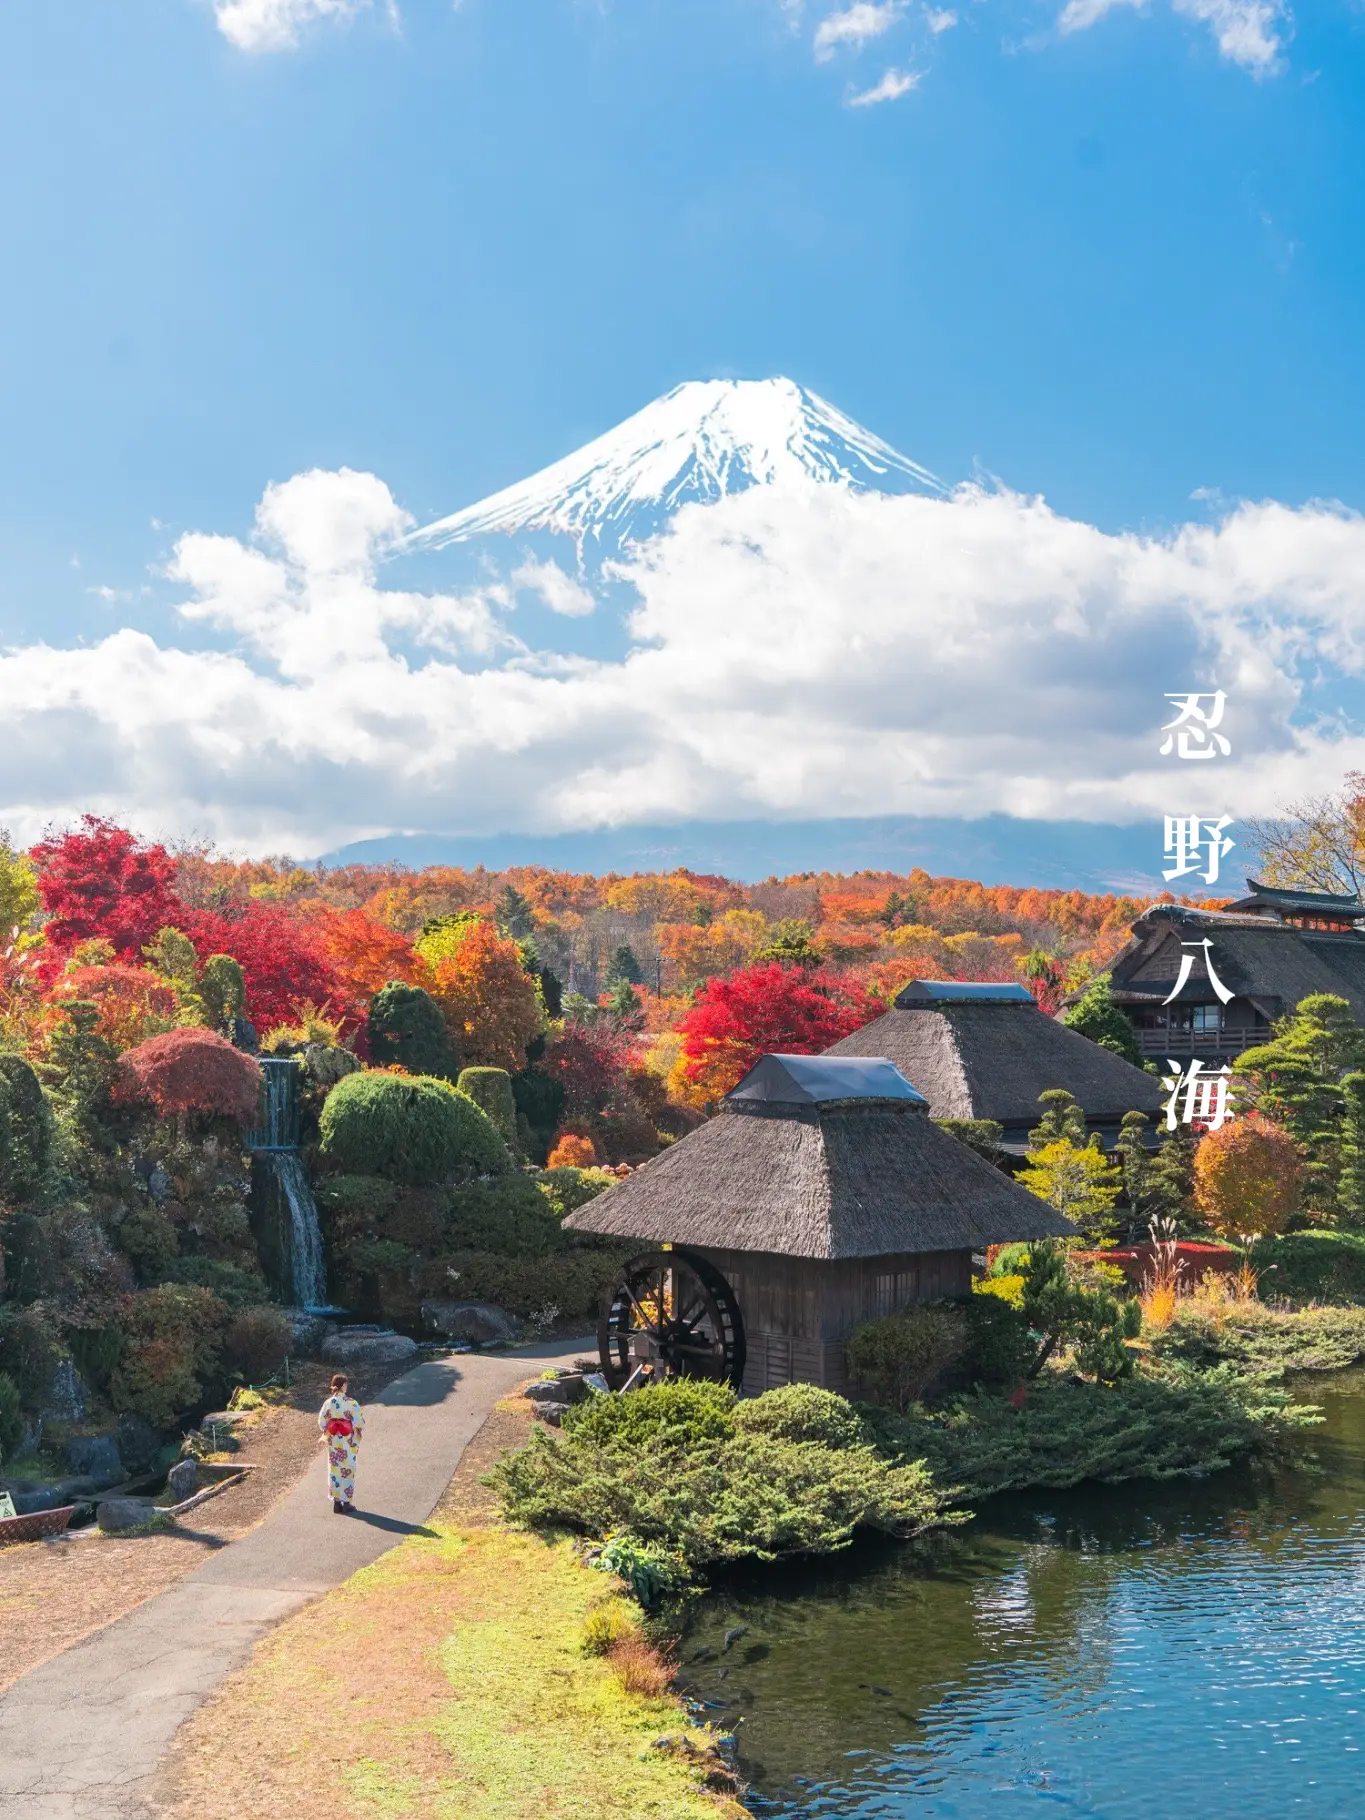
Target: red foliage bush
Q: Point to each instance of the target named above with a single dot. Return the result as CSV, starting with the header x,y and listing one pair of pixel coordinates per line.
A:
x,y
102,881
761,1010
192,1071
590,1062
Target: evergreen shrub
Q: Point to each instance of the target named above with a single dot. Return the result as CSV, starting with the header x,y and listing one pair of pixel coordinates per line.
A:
x,y
802,1412
406,1028
30,1350
11,1417
256,1342
172,1336
567,1189
25,1129
413,1129
491,1089
896,1357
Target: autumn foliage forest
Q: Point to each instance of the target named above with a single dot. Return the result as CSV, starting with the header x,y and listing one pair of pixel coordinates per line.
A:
x,y
624,1004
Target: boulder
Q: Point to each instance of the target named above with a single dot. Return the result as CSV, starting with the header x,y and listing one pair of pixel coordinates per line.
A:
x,y
115,1514
307,1333
28,1498
368,1348
553,1413
182,1481
95,1457
478,1323
570,1389
137,1441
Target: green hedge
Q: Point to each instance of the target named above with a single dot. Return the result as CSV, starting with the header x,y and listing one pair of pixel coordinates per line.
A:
x,y
1315,1266
412,1128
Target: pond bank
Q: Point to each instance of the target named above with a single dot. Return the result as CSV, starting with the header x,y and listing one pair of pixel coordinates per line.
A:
x,y
1194,1644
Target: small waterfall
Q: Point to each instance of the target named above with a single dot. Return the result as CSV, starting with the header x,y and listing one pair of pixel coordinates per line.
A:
x,y
284,1214
306,1266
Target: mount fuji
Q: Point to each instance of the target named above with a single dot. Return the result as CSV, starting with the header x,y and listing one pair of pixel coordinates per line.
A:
x,y
698,443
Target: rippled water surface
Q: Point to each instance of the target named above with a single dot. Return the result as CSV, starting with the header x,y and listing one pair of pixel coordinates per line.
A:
x,y
1193,1649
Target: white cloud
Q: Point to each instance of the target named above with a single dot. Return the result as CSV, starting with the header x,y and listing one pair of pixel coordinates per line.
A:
x,y
1250,33
892,86
809,652
857,25
560,592
274,25
939,22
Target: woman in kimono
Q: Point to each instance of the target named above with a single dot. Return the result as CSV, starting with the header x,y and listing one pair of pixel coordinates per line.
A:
x,y
342,1422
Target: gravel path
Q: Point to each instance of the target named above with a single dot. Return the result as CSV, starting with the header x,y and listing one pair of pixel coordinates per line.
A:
x,y
81,1736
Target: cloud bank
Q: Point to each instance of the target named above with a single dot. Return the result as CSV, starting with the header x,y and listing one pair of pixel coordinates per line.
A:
x,y
1250,33
275,25
802,652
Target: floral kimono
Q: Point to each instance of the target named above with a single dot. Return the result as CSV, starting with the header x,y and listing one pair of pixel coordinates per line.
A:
x,y
342,1420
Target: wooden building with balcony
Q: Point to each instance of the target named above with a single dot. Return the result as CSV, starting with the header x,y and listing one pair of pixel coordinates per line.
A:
x,y
1249,965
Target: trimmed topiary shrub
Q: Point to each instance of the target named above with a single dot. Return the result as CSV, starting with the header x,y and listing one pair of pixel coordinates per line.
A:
x,y
567,1189
509,1214
192,1071
491,1088
896,1357
802,1412
413,1129
407,1029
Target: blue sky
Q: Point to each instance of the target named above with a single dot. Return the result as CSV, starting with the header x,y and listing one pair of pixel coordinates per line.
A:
x,y
1119,265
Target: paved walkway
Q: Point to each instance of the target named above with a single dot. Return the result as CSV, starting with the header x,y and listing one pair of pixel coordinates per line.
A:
x,y
82,1735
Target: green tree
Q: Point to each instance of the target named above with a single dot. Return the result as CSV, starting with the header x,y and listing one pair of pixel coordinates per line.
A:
x,y
1061,1313
222,993
81,1064
1062,1118
513,914
789,943
1095,1015
624,968
18,889
1351,1185
1296,1081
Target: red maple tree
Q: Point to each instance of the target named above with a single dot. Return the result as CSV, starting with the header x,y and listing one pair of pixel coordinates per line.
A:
x,y
281,955
101,881
192,1071
758,1011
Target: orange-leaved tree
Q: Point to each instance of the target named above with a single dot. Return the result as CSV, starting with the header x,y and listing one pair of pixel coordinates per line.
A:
x,y
491,1005
133,1002
1248,1178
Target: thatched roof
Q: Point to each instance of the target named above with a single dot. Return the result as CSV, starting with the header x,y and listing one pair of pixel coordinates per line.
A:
x,y
1271,899
991,1058
1271,964
835,1177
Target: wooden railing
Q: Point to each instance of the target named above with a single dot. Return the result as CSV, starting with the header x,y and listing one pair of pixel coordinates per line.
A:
x,y
1181,1043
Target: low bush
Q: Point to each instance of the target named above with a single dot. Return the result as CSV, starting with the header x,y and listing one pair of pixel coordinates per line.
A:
x,y
802,1412
1313,1266
567,1189
895,1357
1154,1425
609,1624
171,1338
232,1284
412,1129
255,1343
1262,1340
680,1474
508,1214
569,1284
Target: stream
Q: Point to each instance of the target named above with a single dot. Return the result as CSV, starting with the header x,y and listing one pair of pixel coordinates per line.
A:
x,y
1195,1647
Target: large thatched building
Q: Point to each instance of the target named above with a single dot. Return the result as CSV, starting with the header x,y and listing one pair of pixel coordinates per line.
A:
x,y
985,1051
820,1194
1267,951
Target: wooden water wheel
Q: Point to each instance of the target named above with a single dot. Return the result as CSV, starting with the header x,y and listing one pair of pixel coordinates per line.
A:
x,y
672,1313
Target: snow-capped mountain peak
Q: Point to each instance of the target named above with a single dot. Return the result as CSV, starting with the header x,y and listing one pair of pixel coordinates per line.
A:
x,y
702,440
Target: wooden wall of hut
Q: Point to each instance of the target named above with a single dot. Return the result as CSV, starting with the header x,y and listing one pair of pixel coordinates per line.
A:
x,y
798,1312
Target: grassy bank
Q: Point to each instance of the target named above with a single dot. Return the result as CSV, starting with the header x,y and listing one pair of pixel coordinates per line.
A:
x,y
449,1680
1260,1340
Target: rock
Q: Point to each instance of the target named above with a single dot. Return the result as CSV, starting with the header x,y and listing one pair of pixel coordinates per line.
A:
x,y
368,1348
137,1441
182,1481
95,1457
307,1333
115,1514
28,1498
480,1323
30,1435
553,1413
557,1390
67,1398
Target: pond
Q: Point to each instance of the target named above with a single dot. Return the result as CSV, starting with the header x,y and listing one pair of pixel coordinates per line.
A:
x,y
1197,1646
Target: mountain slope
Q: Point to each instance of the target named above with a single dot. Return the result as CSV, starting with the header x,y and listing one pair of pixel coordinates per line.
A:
x,y
702,440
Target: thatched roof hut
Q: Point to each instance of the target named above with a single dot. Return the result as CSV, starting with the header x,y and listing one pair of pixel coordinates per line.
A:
x,y
823,1194
985,1051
